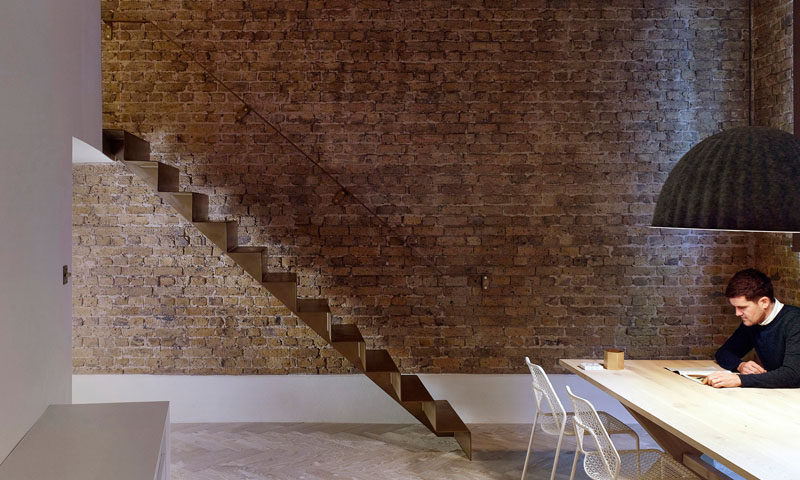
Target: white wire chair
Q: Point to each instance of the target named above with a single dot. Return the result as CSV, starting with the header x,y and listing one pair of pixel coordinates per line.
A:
x,y
557,421
606,462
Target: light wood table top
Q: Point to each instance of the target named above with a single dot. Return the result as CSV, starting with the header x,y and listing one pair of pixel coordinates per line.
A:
x,y
754,432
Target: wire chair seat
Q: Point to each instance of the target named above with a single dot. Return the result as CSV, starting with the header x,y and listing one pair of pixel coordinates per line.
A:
x,y
647,464
614,426
605,462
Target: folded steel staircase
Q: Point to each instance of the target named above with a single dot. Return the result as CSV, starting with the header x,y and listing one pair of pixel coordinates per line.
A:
x,y
407,390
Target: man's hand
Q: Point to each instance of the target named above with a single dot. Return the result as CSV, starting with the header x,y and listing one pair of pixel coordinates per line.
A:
x,y
723,380
749,368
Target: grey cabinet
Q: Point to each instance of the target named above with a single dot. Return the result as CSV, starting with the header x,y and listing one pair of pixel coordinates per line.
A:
x,y
120,441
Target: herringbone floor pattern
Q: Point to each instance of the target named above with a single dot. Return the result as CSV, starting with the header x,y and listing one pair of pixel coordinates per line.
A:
x,y
311,451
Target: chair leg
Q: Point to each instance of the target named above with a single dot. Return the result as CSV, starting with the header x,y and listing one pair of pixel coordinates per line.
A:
x,y
558,449
639,464
574,464
638,456
530,445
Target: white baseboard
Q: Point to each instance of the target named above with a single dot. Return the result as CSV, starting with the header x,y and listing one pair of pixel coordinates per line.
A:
x,y
328,398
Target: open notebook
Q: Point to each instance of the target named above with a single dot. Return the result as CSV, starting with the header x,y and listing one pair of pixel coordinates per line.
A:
x,y
697,375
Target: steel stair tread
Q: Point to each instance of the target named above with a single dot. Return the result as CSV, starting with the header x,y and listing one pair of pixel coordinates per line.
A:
x,y
345,333
313,305
191,205
315,313
162,177
379,361
447,420
193,195
250,258
144,163
121,145
223,233
413,390
213,223
279,277
282,285
247,249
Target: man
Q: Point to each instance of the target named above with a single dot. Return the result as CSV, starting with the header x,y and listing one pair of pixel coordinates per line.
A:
x,y
769,327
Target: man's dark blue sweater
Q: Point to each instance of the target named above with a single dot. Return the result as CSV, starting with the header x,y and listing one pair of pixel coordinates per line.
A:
x,y
777,345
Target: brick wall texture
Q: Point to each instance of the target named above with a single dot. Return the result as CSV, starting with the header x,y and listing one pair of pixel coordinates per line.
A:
x,y
524,141
772,64
772,106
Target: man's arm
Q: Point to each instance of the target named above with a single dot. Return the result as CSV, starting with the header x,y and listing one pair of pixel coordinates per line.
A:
x,y
730,354
788,374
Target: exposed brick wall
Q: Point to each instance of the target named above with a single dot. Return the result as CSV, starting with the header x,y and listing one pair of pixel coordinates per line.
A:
x,y
150,296
772,63
774,256
513,139
772,106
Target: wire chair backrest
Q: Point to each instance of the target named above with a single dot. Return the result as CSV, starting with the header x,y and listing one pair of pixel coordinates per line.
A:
x,y
586,420
542,388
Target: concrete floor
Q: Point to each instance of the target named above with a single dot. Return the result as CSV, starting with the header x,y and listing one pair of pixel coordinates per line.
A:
x,y
363,451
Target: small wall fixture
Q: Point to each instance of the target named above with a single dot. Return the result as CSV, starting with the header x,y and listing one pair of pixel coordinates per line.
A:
x,y
243,113
745,179
339,197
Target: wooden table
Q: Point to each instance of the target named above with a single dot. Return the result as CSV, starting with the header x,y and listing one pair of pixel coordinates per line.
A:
x,y
754,432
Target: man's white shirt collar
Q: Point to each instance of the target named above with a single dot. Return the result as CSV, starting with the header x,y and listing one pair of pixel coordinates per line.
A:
x,y
774,313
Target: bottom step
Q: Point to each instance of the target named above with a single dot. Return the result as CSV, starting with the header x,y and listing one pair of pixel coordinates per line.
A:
x,y
447,423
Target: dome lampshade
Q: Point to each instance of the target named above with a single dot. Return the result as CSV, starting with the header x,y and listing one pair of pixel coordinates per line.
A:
x,y
744,178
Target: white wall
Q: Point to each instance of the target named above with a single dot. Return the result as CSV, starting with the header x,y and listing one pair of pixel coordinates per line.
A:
x,y
329,398
49,92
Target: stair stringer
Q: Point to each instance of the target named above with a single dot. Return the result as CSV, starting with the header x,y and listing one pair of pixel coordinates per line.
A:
x,y
407,390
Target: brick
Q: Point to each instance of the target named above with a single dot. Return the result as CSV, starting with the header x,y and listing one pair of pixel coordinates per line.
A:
x,y
491,145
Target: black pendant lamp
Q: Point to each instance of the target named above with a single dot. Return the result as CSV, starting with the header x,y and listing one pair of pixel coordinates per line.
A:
x,y
745,179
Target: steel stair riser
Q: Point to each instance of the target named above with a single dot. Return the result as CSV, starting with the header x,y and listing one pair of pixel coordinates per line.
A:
x,y
415,409
316,314
320,322
388,381
192,206
465,440
222,234
430,412
349,350
160,176
251,262
285,291
381,369
414,390
347,340
446,423
123,146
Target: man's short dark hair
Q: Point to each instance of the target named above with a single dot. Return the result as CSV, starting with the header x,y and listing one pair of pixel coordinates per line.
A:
x,y
750,284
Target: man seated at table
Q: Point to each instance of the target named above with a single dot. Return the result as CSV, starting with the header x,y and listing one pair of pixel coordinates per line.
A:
x,y
769,327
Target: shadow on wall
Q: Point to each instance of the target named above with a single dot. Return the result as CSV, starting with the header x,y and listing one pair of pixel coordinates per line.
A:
x,y
533,157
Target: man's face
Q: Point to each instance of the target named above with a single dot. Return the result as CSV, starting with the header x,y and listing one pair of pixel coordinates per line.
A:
x,y
751,313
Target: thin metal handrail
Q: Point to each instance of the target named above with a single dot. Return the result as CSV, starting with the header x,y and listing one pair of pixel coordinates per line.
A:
x,y
249,109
